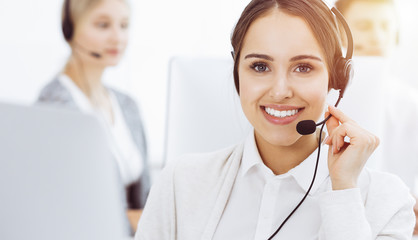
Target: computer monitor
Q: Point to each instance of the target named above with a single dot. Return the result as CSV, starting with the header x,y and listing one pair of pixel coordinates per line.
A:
x,y
58,179
203,109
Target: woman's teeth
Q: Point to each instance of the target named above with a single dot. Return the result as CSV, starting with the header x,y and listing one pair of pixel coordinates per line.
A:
x,y
281,114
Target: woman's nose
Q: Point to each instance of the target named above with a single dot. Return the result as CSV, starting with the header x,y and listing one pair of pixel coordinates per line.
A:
x,y
280,88
117,34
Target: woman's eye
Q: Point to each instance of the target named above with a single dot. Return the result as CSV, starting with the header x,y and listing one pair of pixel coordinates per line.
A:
x,y
260,67
102,24
303,68
124,25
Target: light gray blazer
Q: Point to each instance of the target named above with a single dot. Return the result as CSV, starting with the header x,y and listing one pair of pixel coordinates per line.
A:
x,y
136,194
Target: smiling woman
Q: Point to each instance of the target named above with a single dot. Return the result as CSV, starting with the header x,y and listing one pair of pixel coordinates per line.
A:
x,y
287,57
292,73
97,32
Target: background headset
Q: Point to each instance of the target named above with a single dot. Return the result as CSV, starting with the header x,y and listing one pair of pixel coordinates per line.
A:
x,y
68,29
67,23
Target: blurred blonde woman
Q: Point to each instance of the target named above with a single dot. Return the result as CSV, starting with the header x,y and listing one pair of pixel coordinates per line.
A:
x,y
97,32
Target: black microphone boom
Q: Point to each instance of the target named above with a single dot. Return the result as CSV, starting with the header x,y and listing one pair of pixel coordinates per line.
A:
x,y
307,127
96,55
93,54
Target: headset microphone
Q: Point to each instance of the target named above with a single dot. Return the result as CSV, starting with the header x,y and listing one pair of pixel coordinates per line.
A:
x,y
91,53
307,127
96,55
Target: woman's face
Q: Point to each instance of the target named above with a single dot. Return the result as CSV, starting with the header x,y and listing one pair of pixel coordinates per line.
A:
x,y
283,77
103,30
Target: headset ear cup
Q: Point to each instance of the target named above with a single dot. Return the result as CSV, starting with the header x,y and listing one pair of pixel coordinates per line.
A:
x,y
67,25
346,74
342,74
67,30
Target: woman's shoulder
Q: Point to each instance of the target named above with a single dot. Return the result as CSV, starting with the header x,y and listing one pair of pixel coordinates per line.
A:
x,y
383,180
389,189
51,87
388,204
54,92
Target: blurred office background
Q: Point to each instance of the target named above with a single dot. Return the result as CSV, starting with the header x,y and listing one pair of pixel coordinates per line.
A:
x,y
33,51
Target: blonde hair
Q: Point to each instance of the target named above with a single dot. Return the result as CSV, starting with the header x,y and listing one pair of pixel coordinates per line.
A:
x,y
73,11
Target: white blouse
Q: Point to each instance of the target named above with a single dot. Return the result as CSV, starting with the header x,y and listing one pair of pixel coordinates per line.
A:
x,y
128,158
267,199
230,194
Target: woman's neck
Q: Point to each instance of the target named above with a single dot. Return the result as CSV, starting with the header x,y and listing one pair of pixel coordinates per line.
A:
x,y
86,76
280,159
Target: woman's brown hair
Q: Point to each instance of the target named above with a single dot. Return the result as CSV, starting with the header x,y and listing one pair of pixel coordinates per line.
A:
x,y
319,18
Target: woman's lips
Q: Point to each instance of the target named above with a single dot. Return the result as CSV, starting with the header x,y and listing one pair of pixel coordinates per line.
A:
x,y
113,52
281,115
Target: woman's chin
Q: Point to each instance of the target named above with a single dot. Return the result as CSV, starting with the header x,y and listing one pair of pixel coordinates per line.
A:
x,y
281,140
113,63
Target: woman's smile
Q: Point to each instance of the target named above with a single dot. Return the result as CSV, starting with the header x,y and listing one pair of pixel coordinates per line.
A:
x,y
281,114
282,80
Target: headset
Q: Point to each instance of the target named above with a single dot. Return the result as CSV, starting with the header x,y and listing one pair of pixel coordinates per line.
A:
x,y
68,29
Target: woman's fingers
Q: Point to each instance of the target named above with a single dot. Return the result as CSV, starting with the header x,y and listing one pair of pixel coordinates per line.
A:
x,y
332,123
347,159
336,138
357,137
338,114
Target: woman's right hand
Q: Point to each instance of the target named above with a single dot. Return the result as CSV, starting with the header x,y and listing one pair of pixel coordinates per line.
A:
x,y
347,159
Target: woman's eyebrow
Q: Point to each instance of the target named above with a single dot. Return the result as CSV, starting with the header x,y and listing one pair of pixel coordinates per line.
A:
x,y
301,57
102,16
293,59
256,55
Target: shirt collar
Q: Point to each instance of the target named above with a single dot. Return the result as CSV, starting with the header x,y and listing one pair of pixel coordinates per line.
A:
x,y
79,97
83,102
303,173
250,156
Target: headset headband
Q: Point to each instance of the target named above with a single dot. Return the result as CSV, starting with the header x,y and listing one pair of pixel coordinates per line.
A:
x,y
341,19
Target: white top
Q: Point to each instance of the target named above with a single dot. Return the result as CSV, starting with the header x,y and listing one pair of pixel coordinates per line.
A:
x,y
229,194
123,147
267,199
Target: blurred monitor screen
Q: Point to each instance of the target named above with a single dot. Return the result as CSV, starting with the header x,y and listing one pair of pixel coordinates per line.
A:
x,y
57,177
